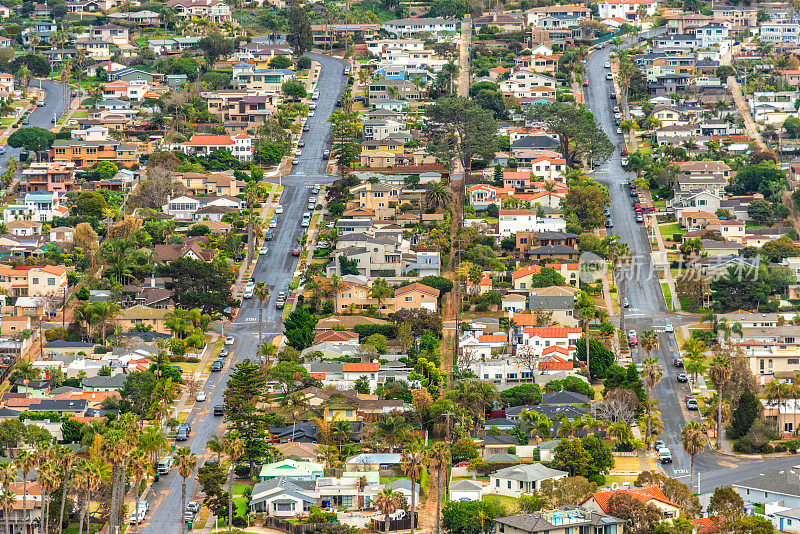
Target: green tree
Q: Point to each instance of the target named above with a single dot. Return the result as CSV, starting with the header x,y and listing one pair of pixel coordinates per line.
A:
x,y
779,249
280,62
243,397
570,456
449,9
598,449
578,133
104,170
726,505
294,89
215,46
474,517
299,36
33,139
602,357
299,328
458,128
764,178
745,414
91,204
760,211
197,284
583,205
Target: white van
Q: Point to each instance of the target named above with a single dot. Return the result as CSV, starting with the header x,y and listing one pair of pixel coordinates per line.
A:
x,y
165,465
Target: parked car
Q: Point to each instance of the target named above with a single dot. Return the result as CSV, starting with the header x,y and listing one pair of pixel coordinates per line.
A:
x,y
263,250
193,506
626,303
624,152
609,223
296,251
326,154
665,456
279,209
658,445
301,143
223,352
273,223
164,465
632,341
138,516
229,340
216,366
248,293
269,235
681,377
219,409
691,404
609,76
677,362
201,396
586,84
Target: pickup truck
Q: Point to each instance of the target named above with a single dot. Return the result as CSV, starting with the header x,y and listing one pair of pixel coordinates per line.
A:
x,y
664,456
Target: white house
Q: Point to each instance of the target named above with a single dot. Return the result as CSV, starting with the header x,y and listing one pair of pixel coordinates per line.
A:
x,y
780,32
482,195
241,146
411,27
625,9
519,479
466,490
542,337
516,220
712,34
771,486
525,83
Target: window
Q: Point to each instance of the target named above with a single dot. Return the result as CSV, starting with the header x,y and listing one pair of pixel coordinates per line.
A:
x,y
348,413
36,281
509,484
497,482
51,281
409,299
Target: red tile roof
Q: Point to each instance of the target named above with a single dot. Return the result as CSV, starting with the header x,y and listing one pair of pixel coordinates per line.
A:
x,y
334,335
493,338
361,367
645,495
416,286
552,331
705,525
209,140
525,319
525,271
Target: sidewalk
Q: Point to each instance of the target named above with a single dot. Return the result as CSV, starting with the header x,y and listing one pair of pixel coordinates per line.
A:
x,y
659,257
744,111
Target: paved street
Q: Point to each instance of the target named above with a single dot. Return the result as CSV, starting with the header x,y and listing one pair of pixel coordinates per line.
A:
x,y
276,269
41,116
647,307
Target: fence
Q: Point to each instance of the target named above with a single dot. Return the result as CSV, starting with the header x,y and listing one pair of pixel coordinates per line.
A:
x,y
292,528
395,524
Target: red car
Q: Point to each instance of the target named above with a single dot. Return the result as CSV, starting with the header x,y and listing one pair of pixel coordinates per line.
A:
x,y
296,252
624,152
586,84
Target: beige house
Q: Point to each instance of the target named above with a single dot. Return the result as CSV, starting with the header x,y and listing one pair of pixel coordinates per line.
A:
x,y
33,281
211,184
416,296
356,296
143,315
381,198
732,230
598,502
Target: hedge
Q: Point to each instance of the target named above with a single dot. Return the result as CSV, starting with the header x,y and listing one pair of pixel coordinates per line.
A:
x,y
366,330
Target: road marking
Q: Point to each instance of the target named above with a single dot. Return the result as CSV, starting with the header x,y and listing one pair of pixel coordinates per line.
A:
x,y
680,471
250,319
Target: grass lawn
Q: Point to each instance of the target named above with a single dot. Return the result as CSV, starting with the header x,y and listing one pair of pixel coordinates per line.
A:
x,y
626,463
73,528
141,41
238,489
659,203
669,229
81,114
187,367
386,480
511,503
7,121
667,296
620,479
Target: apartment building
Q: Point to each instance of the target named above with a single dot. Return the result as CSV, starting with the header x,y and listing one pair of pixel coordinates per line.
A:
x,y
33,281
392,90
212,10
333,34
83,153
411,27
44,176
241,146
246,76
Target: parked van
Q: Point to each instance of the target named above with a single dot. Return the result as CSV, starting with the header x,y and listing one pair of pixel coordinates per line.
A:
x,y
164,465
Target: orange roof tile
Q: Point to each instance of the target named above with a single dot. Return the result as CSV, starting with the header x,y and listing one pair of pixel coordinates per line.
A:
x,y
552,331
644,494
525,319
207,140
555,366
360,367
492,338
416,286
334,335
706,525
525,271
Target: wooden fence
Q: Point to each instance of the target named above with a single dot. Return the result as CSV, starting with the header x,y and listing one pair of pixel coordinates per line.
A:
x,y
292,528
395,524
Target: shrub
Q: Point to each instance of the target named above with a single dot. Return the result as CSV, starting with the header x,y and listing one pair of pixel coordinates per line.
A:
x,y
366,330
780,447
239,522
242,471
599,479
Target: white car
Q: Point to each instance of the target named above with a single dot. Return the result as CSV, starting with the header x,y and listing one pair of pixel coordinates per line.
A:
x,y
311,113
298,152
607,65
311,206
141,514
263,250
305,223
279,209
668,327
273,223
619,130
201,396
609,76
312,105
229,340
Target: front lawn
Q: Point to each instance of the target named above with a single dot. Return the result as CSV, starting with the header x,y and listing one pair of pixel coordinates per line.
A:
x,y
669,229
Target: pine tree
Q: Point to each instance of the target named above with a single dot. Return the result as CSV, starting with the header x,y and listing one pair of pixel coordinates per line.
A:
x,y
243,396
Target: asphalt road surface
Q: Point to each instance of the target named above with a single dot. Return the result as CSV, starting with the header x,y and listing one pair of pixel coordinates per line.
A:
x,y
41,116
648,310
276,269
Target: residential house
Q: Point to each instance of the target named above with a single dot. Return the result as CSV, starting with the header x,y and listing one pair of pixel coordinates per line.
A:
x,y
410,27
625,9
391,90
522,479
87,153
598,502
246,76
332,34
521,220
503,21
526,83
240,146
526,241
111,33
482,195
44,176
772,486
218,183
543,337
33,281
211,10
129,318
380,198
279,497
291,470
561,308
563,520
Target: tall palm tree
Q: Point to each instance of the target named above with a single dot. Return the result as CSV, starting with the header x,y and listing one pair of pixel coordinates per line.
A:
x,y
380,290
261,292
187,462
437,195
414,457
25,462
50,479
66,458
7,502
393,430
619,253
538,424
694,441
388,502
297,404
585,316
438,460
233,446
214,444
775,393
719,372
139,467
90,474
651,374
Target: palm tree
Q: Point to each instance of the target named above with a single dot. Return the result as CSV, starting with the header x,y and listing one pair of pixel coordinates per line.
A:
x,y
66,458
651,374
437,195
50,479
414,457
775,393
214,444
7,502
619,253
585,316
380,290
187,461
8,474
438,460
89,476
25,462
719,372
619,431
388,502
297,404
694,441
233,446
538,424
392,430
138,467
261,292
